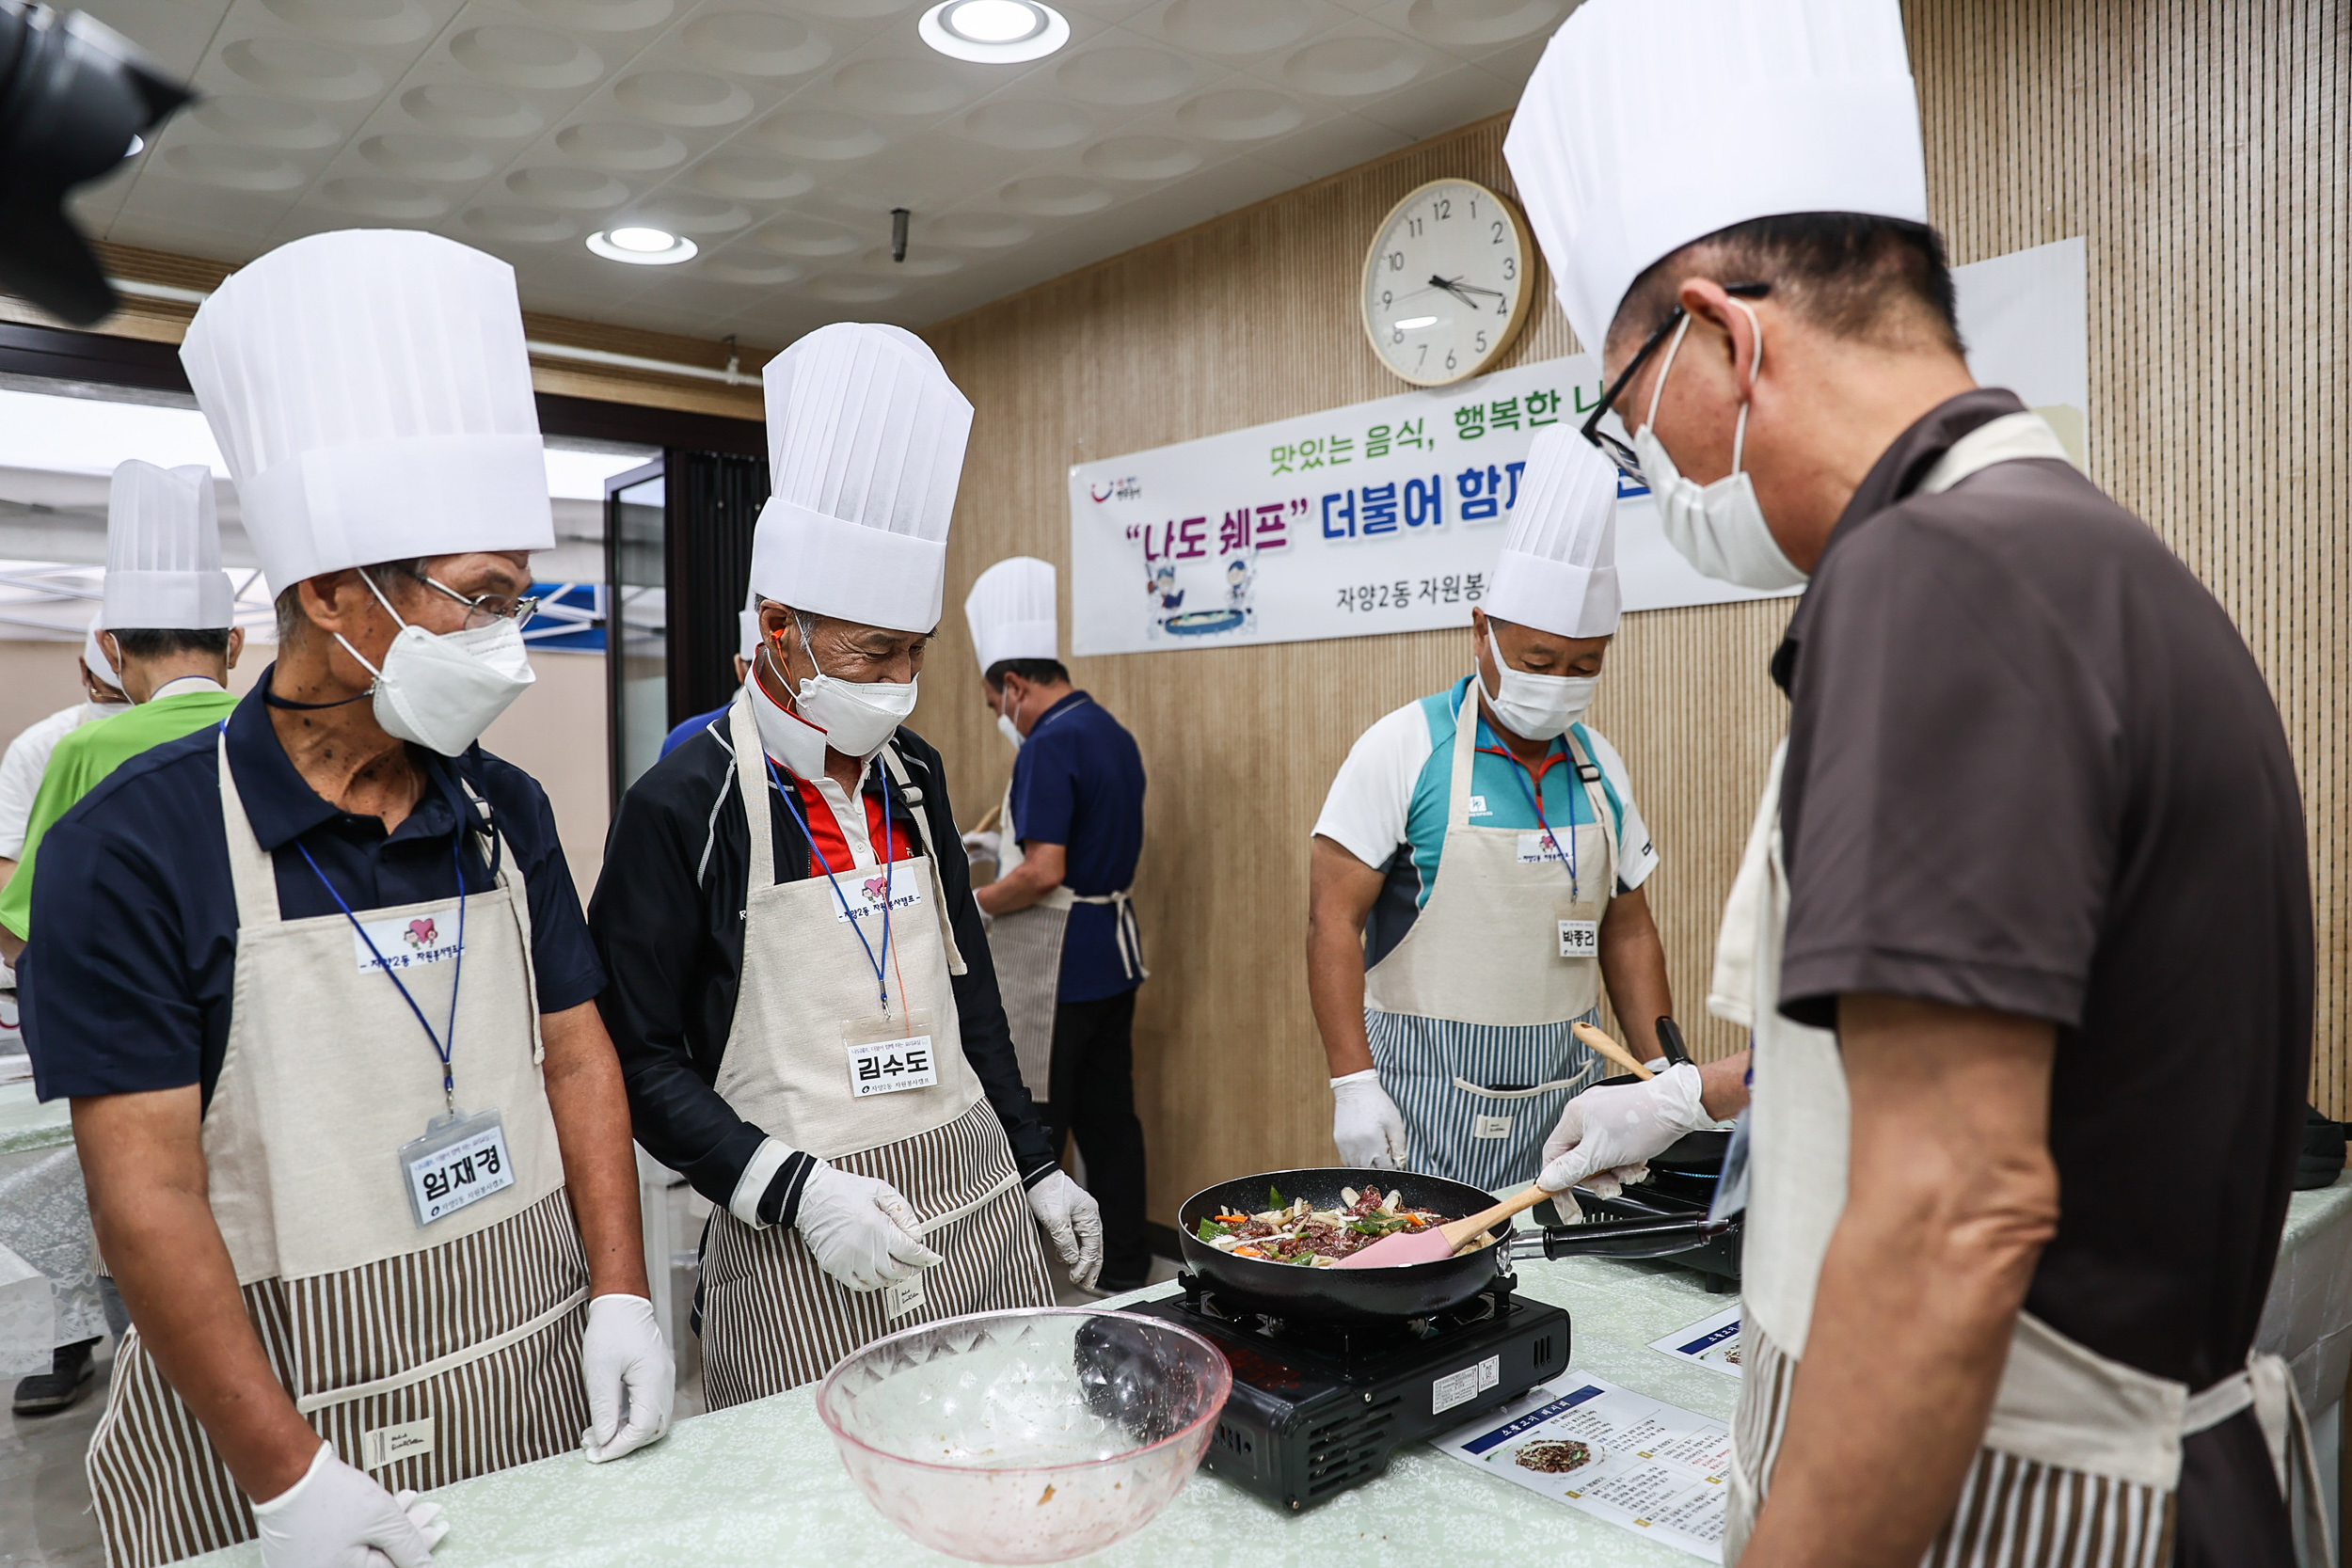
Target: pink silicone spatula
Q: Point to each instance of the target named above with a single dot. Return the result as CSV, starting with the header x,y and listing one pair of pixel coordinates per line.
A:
x,y
1438,1241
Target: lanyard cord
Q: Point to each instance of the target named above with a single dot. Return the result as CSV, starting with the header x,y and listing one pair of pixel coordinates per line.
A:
x,y
881,982
444,1044
1535,799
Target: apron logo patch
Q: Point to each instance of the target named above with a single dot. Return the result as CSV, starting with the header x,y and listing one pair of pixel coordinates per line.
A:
x,y
1540,848
397,944
390,1445
867,896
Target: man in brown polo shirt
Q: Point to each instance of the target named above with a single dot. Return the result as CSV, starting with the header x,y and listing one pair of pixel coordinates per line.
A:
x,y
2023,928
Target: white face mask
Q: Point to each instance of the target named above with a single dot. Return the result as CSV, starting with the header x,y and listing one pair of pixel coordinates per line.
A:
x,y
1011,731
444,691
1718,528
1533,707
858,717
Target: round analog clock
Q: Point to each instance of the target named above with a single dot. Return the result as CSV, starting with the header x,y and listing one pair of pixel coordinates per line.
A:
x,y
1448,283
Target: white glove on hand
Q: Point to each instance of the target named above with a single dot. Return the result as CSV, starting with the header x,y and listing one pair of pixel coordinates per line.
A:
x,y
1365,1122
983,846
861,1231
625,1363
1615,1127
1073,1222
336,1518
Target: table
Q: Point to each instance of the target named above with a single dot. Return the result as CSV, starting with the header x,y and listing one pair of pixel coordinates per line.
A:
x,y
44,1219
760,1485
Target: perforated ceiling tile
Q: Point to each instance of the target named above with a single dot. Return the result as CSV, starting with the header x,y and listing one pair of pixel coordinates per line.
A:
x,y
602,16
750,177
828,136
755,44
527,56
1359,62
1054,196
471,110
252,122
1143,158
807,238
621,146
374,197
685,213
750,269
520,224
415,157
684,99
1026,124
1122,75
236,168
369,22
978,231
1238,28
922,261
577,190
299,69
899,84
1473,24
853,291
1241,115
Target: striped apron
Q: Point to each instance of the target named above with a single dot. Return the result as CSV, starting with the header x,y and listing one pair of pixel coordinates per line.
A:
x,y
1469,1017
424,1355
2081,1459
771,1319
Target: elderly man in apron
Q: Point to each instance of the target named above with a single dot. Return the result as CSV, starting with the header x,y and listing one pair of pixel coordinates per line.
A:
x,y
2030,860
1478,867
1069,955
800,988
316,981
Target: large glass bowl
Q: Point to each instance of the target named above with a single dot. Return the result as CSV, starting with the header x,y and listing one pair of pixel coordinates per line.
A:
x,y
1026,1436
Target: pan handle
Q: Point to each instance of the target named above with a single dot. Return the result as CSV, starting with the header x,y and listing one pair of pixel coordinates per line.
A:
x,y
1670,1042
1652,1238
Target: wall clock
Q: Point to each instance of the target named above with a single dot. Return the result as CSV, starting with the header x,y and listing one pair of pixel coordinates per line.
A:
x,y
1448,283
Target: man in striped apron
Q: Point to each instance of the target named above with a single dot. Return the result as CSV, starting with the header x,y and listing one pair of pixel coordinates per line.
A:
x,y
316,981
2030,862
1478,867
800,988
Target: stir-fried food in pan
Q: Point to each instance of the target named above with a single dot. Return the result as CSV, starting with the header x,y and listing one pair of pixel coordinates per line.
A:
x,y
1300,1233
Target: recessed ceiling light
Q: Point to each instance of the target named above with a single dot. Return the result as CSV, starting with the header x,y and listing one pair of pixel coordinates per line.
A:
x,y
642,246
993,32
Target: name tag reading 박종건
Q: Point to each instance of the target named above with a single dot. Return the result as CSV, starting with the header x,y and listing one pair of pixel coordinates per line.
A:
x,y
460,1160
1579,939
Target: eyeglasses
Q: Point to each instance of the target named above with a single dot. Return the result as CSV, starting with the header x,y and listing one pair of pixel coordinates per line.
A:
x,y
483,609
1615,451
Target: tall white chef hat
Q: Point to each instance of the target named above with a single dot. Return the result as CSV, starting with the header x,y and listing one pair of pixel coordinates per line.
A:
x,y
94,653
370,389
1010,610
163,551
865,437
1558,570
1792,107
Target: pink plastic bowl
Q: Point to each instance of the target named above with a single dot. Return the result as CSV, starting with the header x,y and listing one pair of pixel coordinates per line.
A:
x,y
1026,1436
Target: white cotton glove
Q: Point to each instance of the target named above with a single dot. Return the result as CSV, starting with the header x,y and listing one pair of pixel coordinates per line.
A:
x,y
1073,1222
983,846
861,1231
336,1518
1608,1132
625,1360
1365,1122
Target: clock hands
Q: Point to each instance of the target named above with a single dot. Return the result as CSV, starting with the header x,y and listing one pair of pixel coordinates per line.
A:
x,y
1462,290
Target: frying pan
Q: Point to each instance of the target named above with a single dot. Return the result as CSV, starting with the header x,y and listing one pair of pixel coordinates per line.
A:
x,y
1416,1290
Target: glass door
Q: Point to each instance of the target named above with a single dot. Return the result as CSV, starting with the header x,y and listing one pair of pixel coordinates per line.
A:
x,y
637,647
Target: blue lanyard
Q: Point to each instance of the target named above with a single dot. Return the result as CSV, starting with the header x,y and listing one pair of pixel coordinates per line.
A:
x,y
446,1042
1535,802
881,979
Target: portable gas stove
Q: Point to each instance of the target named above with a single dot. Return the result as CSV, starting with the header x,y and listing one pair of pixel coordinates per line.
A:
x,y
1317,1408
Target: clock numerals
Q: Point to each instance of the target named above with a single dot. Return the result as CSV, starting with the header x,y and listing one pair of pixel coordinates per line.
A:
x,y
1479,344
1500,229
1396,260
1442,208
1510,269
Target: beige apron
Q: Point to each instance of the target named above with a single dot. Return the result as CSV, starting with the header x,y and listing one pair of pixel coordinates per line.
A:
x,y
771,1319
1469,1015
2082,1455
424,1355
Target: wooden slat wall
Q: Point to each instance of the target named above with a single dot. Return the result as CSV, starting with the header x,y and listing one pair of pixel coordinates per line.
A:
x,y
2201,151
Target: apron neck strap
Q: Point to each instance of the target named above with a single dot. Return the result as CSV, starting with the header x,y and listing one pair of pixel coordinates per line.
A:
x,y
251,872
1581,759
1466,722
750,782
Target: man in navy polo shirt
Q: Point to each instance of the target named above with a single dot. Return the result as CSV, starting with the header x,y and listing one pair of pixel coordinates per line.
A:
x,y
1069,955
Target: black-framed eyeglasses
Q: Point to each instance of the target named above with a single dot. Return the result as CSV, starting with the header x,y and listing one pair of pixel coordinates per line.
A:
x,y
489,607
1615,451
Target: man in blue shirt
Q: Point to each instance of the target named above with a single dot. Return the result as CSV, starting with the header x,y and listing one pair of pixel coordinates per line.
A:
x,y
747,649
1069,955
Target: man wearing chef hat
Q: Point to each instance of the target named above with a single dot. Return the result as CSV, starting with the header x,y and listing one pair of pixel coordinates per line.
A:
x,y
747,649
317,981
1069,954
28,757
168,614
1478,867
801,989
2030,862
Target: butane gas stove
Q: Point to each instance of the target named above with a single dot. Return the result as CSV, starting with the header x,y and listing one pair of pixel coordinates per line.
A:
x,y
1317,1407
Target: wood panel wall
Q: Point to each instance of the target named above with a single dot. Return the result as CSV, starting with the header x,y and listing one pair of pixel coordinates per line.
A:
x,y
2202,151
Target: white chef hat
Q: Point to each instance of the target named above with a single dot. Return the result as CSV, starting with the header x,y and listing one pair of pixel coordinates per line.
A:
x,y
1558,570
94,653
370,389
163,551
865,437
1010,611
1652,124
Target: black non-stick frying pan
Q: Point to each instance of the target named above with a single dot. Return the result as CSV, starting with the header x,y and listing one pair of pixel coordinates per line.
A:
x,y
1416,1290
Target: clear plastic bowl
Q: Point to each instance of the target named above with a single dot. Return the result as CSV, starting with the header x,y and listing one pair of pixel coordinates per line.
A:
x,y
1026,1436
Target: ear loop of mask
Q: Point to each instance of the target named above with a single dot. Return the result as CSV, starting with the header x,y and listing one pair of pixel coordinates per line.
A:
x,y
387,610
1740,429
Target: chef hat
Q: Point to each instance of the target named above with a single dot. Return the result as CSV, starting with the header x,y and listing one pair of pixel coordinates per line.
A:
x,y
865,439
163,551
1652,124
94,653
747,628
1558,570
373,394
1010,611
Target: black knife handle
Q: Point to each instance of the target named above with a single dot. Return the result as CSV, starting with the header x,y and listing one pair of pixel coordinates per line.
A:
x,y
1670,1042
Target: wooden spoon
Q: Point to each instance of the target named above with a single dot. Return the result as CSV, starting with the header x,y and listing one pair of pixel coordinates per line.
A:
x,y
1609,1049
1439,1240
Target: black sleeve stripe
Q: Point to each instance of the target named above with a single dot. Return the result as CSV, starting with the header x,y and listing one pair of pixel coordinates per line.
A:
x,y
781,1203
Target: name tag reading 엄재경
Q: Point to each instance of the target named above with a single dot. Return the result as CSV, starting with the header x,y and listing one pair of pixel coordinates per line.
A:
x,y
460,1160
886,1067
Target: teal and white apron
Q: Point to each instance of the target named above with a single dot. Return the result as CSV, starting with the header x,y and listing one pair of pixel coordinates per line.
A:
x,y
1469,1016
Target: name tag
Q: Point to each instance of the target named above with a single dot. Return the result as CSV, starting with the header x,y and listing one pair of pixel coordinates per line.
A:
x,y
390,1445
459,1161
1538,847
430,937
885,1066
1579,939
1490,1127
902,1298
865,895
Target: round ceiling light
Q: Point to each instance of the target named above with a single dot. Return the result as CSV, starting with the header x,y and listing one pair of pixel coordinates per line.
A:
x,y
642,246
993,32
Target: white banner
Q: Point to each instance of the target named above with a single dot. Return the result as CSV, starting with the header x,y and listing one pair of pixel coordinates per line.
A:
x,y
1387,515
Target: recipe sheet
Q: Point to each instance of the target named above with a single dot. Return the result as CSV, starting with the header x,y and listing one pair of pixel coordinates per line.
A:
x,y
1711,1342
1639,1463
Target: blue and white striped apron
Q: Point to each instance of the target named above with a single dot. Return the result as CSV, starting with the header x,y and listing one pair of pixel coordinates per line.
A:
x,y
1469,1017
